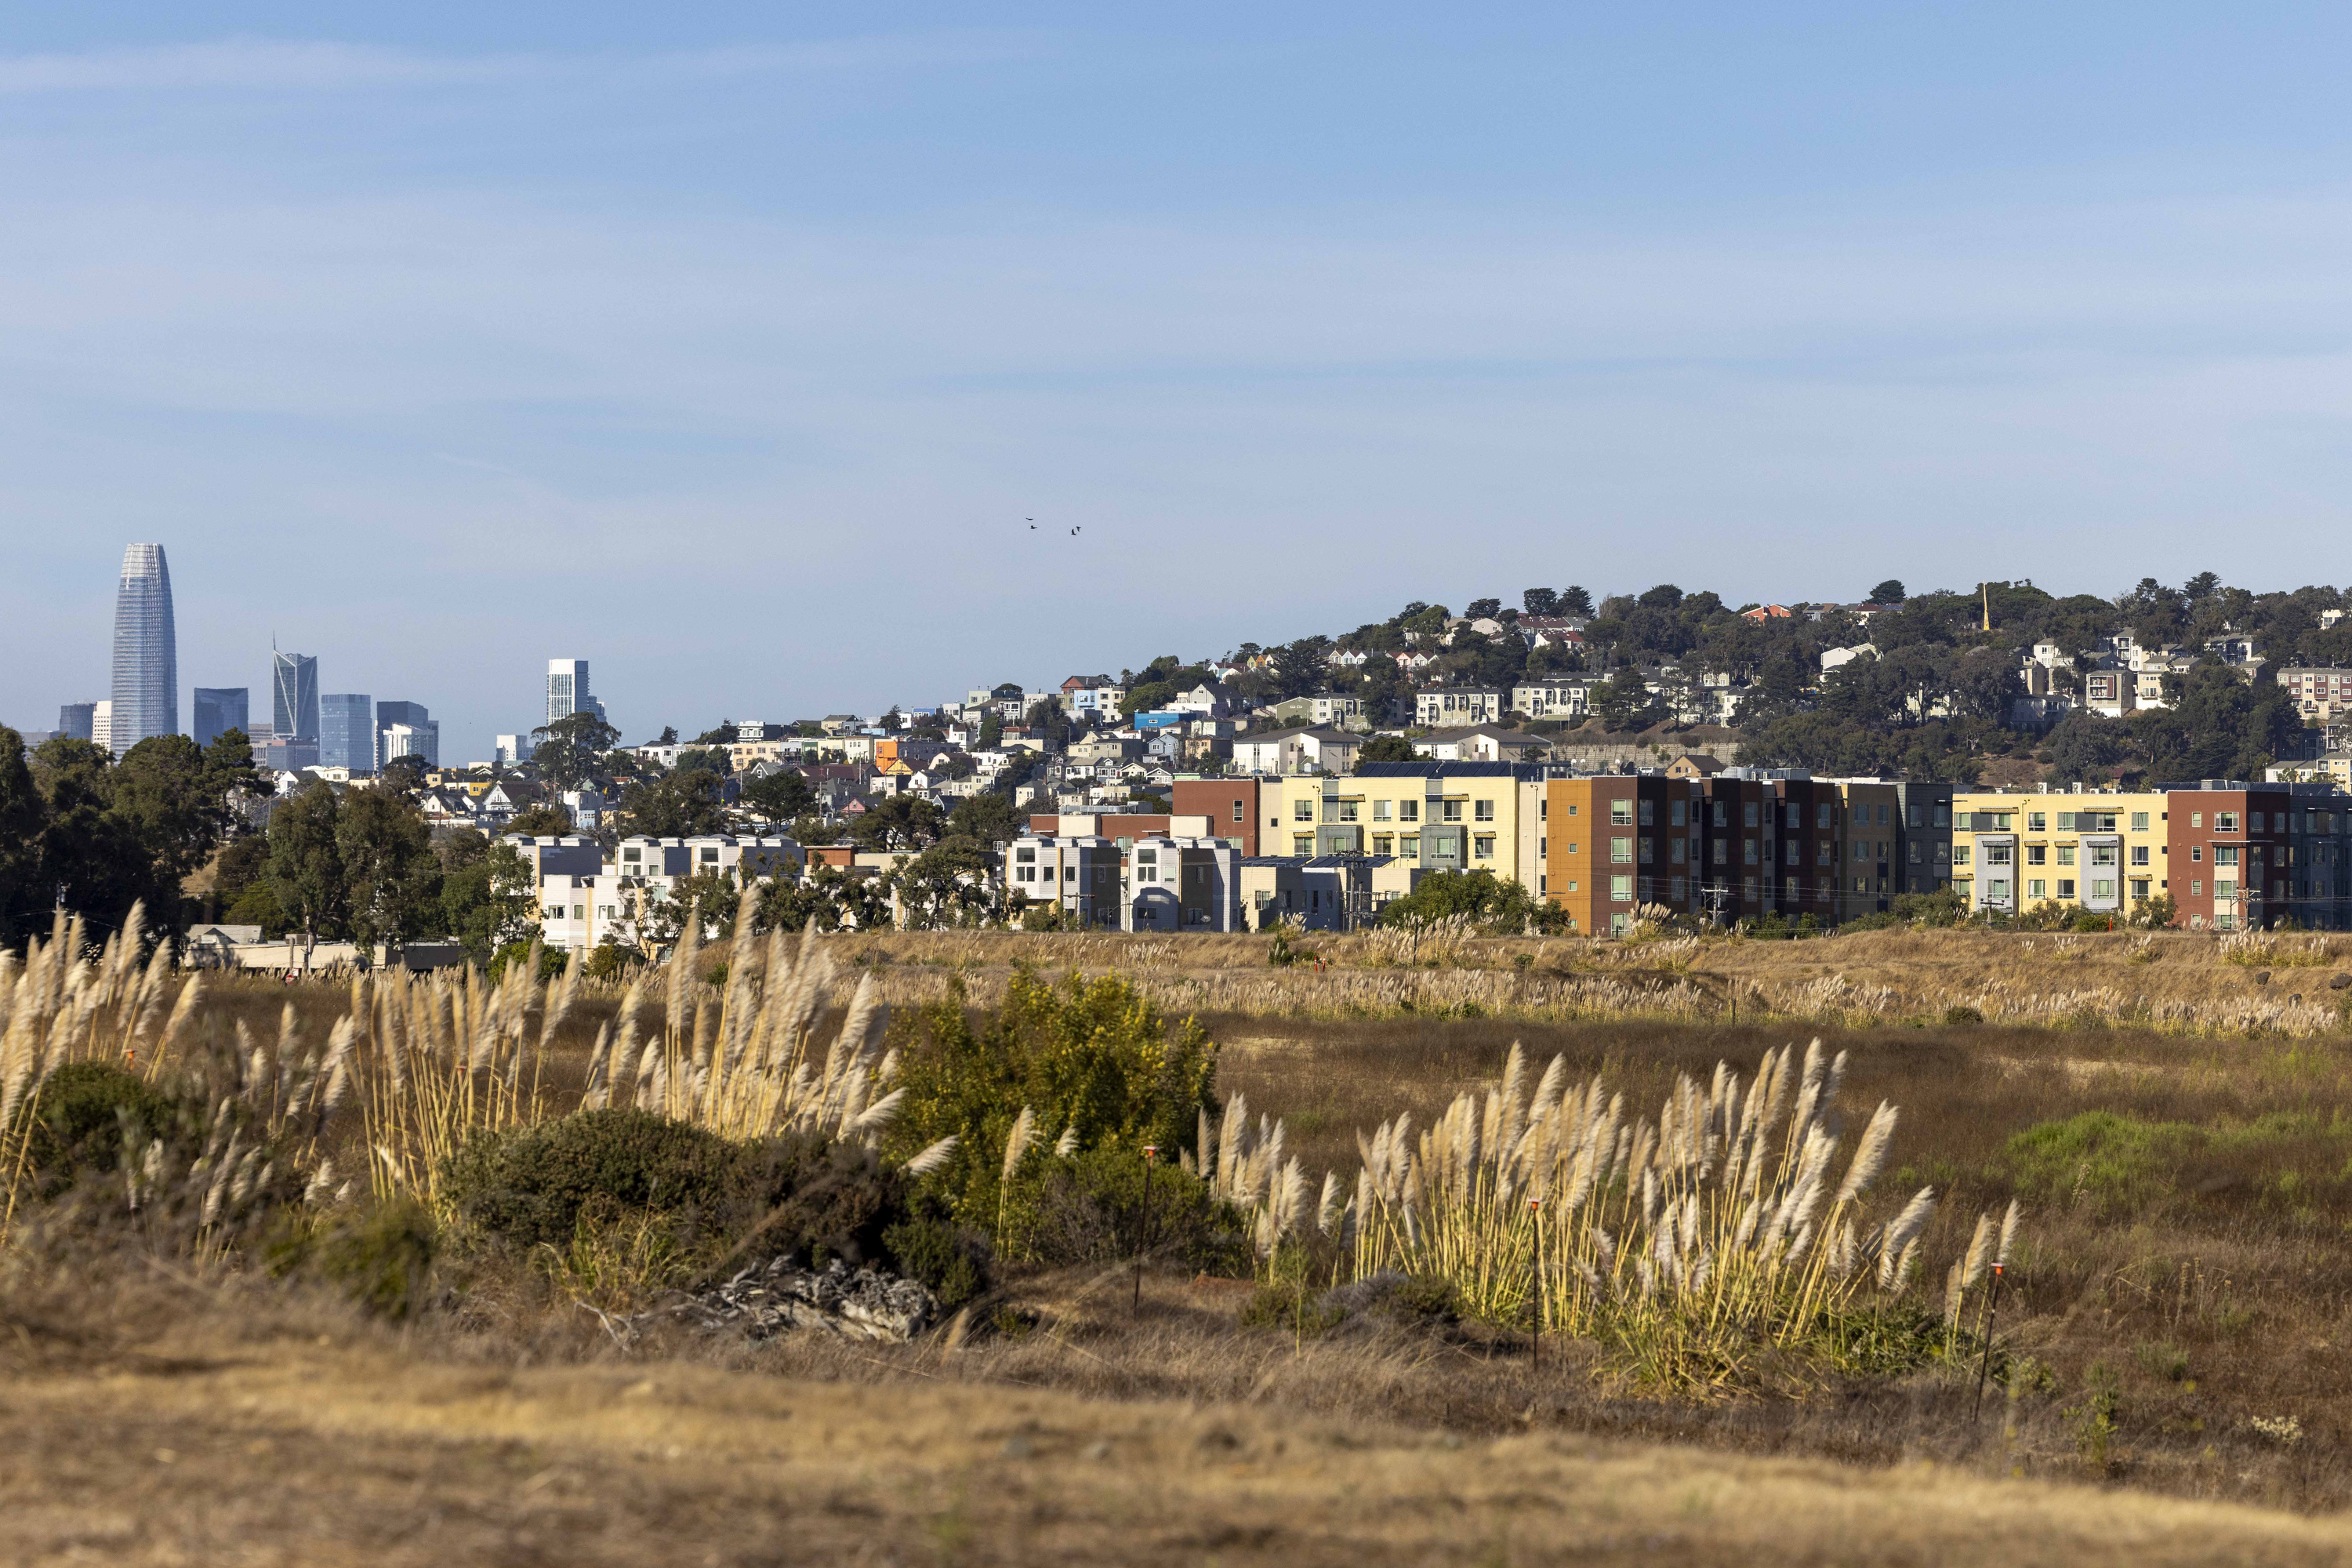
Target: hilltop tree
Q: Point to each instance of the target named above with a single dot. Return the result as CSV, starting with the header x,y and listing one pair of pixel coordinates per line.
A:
x,y
569,752
1540,601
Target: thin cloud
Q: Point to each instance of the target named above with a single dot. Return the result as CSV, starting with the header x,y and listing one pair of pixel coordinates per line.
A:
x,y
279,66
246,64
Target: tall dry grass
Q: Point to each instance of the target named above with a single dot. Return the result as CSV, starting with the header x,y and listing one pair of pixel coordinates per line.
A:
x,y
1685,1240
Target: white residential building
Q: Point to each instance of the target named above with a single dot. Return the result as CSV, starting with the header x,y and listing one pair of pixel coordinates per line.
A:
x,y
1457,705
1569,698
1296,751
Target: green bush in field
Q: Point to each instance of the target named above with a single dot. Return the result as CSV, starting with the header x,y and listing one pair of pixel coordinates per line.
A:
x,y
81,1116
1096,1207
383,1258
1095,1057
565,1184
529,1185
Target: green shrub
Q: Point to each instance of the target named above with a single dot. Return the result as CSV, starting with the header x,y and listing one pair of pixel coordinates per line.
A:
x,y
1093,1056
926,1244
1094,1207
530,1184
81,1116
1957,1014
590,1185
384,1258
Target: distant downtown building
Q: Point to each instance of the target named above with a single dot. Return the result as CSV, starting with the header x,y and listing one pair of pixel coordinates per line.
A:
x,y
77,719
146,651
406,730
567,689
293,696
220,708
347,732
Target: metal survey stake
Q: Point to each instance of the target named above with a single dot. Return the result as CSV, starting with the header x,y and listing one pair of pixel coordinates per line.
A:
x,y
1143,1243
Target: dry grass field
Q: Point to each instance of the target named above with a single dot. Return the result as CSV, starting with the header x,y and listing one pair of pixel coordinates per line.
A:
x,y
2173,1328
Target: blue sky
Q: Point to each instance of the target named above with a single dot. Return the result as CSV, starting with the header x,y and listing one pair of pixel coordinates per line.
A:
x,y
728,347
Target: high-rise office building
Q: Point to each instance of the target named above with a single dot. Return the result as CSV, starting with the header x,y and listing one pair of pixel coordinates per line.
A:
x,y
101,725
422,742
293,696
406,730
146,651
347,732
220,708
567,689
77,719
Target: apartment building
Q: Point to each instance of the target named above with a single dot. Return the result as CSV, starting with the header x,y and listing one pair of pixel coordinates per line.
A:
x,y
1553,699
1229,805
1454,816
1080,872
1296,751
581,904
1613,842
1325,710
2100,851
2320,692
1458,706
1182,884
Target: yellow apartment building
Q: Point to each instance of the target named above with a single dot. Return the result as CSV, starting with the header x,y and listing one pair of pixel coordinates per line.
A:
x,y
1440,816
2099,852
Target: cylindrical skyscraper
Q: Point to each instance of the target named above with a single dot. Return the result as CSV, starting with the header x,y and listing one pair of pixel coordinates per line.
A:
x,y
146,651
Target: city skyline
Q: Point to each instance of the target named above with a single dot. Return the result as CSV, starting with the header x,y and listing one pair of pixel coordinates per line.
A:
x,y
483,340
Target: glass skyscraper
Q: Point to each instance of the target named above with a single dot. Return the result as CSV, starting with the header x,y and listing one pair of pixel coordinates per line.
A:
x,y
347,732
567,689
78,720
146,651
294,696
406,730
220,708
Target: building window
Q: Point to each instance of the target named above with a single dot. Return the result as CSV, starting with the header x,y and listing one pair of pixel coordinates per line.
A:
x,y
2139,822
1024,856
2225,888
1302,843
1649,813
2225,854
2102,888
2140,887
1621,887
2225,822
1751,851
1384,844
2196,888
1302,811
2065,887
1346,811
1408,811
1674,848
1483,846
2035,888
1569,885
1451,811
1486,811
1237,811
2140,855
1620,851
1409,846
1620,813
1751,813
1381,811
1647,842
2066,854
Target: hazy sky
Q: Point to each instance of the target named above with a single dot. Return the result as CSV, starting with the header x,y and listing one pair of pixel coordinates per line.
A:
x,y
729,347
